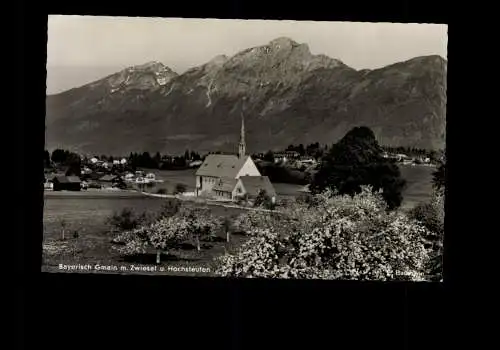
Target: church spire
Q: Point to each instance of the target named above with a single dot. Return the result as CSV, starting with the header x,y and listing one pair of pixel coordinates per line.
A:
x,y
242,146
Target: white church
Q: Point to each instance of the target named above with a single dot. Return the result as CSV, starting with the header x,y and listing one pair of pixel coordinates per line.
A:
x,y
228,176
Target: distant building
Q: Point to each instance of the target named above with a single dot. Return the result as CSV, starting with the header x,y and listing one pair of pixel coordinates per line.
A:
x,y
284,157
66,183
123,161
109,178
94,160
195,164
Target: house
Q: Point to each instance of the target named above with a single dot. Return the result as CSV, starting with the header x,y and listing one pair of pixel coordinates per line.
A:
x,y
221,167
284,157
251,186
224,188
109,178
86,170
48,184
195,164
66,183
151,177
123,161
94,160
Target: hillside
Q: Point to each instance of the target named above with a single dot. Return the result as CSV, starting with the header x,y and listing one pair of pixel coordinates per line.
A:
x,y
287,96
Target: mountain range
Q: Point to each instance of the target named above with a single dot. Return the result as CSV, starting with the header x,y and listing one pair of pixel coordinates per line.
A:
x,y
286,94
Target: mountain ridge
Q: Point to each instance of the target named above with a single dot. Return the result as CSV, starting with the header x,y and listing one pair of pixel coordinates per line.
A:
x,y
291,96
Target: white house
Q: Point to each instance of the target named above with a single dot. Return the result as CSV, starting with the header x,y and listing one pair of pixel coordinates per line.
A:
x,y
116,162
123,161
223,170
252,185
94,160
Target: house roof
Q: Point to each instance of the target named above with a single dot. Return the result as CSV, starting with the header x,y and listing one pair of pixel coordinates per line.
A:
x,y
221,165
253,184
50,177
108,178
225,185
68,179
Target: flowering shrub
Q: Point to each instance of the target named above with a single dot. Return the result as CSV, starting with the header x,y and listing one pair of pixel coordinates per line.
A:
x,y
168,231
431,216
338,237
127,219
161,235
200,223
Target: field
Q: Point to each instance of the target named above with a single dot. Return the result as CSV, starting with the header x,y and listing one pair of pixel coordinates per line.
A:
x,y
86,213
418,184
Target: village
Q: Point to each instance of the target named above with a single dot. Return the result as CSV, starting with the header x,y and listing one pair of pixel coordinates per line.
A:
x,y
238,178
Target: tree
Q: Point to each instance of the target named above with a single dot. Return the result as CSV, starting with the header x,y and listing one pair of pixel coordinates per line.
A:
x,y
357,160
431,216
225,224
194,156
186,155
74,163
160,235
301,150
339,237
157,159
46,159
200,223
263,200
269,156
59,156
180,188
170,208
439,176
63,229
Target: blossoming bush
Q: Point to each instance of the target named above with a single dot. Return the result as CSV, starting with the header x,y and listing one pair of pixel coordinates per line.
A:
x,y
431,216
168,231
333,237
200,223
161,235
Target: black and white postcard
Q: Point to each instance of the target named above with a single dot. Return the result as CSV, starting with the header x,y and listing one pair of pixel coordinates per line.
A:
x,y
245,148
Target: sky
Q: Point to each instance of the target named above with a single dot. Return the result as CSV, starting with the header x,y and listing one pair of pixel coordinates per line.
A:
x,y
82,49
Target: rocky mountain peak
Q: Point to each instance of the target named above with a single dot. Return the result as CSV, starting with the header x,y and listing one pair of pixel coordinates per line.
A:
x,y
293,96
218,60
283,43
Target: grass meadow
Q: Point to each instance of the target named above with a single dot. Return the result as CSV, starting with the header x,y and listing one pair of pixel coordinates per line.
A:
x,y
87,212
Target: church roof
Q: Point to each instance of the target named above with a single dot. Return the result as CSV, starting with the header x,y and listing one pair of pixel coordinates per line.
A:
x,y
225,184
253,184
221,165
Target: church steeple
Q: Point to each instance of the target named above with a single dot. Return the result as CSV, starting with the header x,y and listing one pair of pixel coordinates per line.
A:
x,y
242,146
